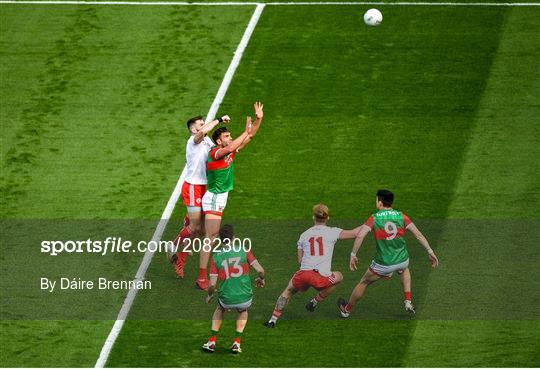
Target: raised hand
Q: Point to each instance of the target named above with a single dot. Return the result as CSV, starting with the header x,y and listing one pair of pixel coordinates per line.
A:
x,y
258,106
226,119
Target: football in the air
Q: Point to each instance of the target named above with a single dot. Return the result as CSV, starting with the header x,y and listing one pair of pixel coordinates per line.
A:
x,y
373,17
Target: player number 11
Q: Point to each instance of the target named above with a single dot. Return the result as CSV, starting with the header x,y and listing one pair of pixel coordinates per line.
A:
x,y
312,241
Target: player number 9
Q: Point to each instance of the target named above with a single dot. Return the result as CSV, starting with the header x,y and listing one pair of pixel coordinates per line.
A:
x,y
391,229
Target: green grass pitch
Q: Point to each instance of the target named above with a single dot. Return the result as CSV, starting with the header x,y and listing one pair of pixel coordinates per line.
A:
x,y
439,104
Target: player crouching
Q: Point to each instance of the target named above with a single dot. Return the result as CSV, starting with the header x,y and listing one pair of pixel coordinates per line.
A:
x,y
235,292
315,249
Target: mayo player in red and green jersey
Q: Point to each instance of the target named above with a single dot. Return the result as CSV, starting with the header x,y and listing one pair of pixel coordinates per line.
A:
x,y
235,292
389,228
220,176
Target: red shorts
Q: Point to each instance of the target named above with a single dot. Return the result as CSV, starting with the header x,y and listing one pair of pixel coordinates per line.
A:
x,y
303,279
192,194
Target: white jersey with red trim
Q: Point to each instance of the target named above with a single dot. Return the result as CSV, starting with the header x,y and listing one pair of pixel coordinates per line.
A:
x,y
318,245
196,157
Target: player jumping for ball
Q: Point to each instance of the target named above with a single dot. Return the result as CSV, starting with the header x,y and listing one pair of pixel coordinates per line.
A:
x,y
197,148
315,249
235,292
220,174
389,227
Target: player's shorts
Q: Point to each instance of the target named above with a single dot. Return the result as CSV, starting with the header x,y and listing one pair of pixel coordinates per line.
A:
x,y
303,279
192,194
388,270
240,307
214,203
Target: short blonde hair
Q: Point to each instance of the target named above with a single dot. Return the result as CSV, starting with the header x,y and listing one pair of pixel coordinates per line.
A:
x,y
320,212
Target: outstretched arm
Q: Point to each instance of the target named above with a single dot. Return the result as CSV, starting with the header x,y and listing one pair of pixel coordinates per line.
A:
x,y
424,242
259,114
363,231
208,127
349,234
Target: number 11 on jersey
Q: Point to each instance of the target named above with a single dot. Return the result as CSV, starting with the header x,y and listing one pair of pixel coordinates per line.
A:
x,y
319,241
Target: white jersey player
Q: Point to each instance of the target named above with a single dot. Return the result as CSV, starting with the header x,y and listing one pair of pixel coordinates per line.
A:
x,y
315,250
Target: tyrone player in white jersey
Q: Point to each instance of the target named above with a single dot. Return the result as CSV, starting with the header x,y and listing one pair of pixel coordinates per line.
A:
x,y
315,249
197,148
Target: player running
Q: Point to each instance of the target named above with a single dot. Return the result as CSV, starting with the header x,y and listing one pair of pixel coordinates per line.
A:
x,y
197,148
315,249
220,174
390,226
235,292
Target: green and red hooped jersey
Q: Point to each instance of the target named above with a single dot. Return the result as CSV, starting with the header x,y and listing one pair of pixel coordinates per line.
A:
x,y
232,270
389,228
220,172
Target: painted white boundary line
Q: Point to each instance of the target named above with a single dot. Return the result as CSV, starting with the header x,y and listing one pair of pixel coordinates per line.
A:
x,y
126,306
177,3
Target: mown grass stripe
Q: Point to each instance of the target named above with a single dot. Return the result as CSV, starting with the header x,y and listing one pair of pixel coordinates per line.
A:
x,y
489,266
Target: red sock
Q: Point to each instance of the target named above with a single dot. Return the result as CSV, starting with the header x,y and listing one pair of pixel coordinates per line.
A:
x,y
202,273
348,307
181,257
408,295
212,339
182,235
318,297
237,340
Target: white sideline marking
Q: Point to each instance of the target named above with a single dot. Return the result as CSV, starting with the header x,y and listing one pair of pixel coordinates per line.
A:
x,y
126,306
179,3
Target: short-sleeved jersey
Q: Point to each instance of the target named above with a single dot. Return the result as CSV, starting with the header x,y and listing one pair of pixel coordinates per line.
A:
x,y
318,245
389,228
232,270
196,158
220,172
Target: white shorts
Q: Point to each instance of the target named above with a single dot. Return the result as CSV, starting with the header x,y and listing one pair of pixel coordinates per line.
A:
x,y
240,307
388,270
214,203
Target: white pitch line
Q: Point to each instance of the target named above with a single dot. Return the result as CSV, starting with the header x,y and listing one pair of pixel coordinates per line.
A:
x,y
177,3
128,302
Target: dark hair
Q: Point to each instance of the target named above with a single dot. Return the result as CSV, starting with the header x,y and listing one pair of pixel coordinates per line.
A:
x,y
193,120
386,197
226,232
217,133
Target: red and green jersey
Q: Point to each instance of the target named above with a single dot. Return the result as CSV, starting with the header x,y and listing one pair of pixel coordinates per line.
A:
x,y
232,269
220,172
389,227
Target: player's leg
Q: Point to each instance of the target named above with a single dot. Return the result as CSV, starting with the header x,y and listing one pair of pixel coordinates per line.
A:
x,y
212,223
330,286
192,198
345,307
190,231
405,276
217,319
281,303
241,322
